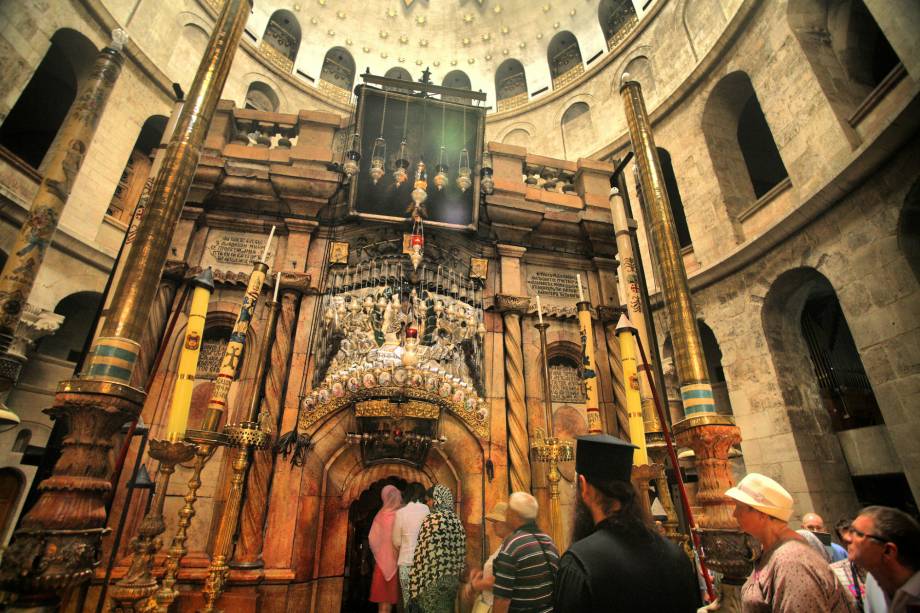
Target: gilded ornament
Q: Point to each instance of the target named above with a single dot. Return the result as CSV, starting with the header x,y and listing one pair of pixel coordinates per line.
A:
x,y
505,52
384,34
466,41
340,14
391,13
497,9
423,43
522,44
546,8
468,18
505,29
421,19
403,40
453,62
471,61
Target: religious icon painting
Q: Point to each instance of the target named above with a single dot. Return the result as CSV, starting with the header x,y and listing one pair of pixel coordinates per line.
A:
x,y
338,253
479,268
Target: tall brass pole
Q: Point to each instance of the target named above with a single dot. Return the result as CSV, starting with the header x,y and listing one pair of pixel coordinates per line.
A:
x,y
709,434
244,436
57,544
64,162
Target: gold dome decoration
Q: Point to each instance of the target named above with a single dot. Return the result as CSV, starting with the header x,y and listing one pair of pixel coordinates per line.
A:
x,y
468,18
472,60
391,13
466,41
540,36
436,63
349,42
453,62
497,9
403,40
383,54
330,32
401,60
421,19
314,20
423,42
486,37
555,25
384,34
488,57
366,49
297,7
505,52
340,14
546,8
572,12
321,2
522,44
505,29
418,62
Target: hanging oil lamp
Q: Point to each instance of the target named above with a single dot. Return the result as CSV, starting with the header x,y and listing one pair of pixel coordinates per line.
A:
x,y
353,156
486,183
400,173
410,355
416,241
440,178
420,187
378,160
463,172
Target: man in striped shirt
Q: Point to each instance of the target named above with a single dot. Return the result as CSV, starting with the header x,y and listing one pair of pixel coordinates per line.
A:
x,y
525,568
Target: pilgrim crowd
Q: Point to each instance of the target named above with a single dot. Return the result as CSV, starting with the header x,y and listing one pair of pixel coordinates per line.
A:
x,y
620,562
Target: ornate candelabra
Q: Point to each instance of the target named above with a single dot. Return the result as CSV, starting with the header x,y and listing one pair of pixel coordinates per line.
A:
x,y
549,449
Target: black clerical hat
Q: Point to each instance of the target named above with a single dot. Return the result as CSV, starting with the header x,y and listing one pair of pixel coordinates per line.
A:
x,y
605,457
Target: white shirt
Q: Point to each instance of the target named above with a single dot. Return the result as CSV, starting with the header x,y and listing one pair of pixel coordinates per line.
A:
x,y
908,596
487,572
406,527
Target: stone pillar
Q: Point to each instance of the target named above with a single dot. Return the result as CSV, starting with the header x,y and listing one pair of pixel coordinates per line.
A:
x,y
155,326
609,315
512,309
248,553
33,324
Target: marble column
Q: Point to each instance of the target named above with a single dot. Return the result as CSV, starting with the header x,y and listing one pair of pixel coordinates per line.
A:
x,y
33,324
609,315
248,553
512,309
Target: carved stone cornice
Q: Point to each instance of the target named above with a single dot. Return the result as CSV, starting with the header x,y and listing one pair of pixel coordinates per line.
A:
x,y
298,282
609,314
506,303
33,325
510,251
303,226
176,271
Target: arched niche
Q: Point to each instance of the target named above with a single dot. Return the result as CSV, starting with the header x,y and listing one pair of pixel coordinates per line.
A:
x,y
337,76
281,40
577,129
398,73
674,198
79,311
12,486
744,155
187,51
137,169
261,97
617,18
457,79
33,123
510,85
564,58
848,53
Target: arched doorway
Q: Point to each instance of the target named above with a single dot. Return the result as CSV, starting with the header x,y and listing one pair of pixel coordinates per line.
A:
x,y
359,561
11,485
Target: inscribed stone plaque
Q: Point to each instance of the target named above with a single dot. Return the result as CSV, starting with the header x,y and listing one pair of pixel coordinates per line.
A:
x,y
555,286
212,352
235,251
566,384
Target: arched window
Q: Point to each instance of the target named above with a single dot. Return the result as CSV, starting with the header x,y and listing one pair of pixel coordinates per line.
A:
x,y
744,155
564,59
23,438
79,311
281,40
261,97
848,53
510,85
617,19
577,130
674,199
338,74
518,136
137,170
457,79
33,122
400,74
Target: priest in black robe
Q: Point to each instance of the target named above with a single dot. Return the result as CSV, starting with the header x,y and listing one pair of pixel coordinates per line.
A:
x,y
618,561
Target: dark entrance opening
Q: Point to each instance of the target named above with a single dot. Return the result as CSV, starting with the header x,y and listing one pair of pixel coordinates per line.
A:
x,y
359,561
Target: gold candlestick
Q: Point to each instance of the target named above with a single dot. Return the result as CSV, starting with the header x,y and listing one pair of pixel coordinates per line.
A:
x,y
245,437
549,449
135,590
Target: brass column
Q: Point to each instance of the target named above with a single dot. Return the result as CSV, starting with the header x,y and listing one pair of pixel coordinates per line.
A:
x,y
56,546
35,235
710,435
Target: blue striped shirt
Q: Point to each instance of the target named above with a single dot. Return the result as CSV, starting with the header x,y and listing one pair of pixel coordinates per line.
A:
x,y
524,570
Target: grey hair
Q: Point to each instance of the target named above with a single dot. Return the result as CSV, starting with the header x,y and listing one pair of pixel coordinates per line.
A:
x,y
899,528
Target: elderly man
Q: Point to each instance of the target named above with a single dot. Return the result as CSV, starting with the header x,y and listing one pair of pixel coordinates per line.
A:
x,y
525,567
886,542
618,562
815,523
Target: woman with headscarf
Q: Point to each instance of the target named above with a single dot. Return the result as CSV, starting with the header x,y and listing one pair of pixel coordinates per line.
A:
x,y
384,584
439,557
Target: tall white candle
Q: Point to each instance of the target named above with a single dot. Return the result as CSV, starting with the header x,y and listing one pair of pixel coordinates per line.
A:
x,y
539,309
581,295
277,286
268,244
